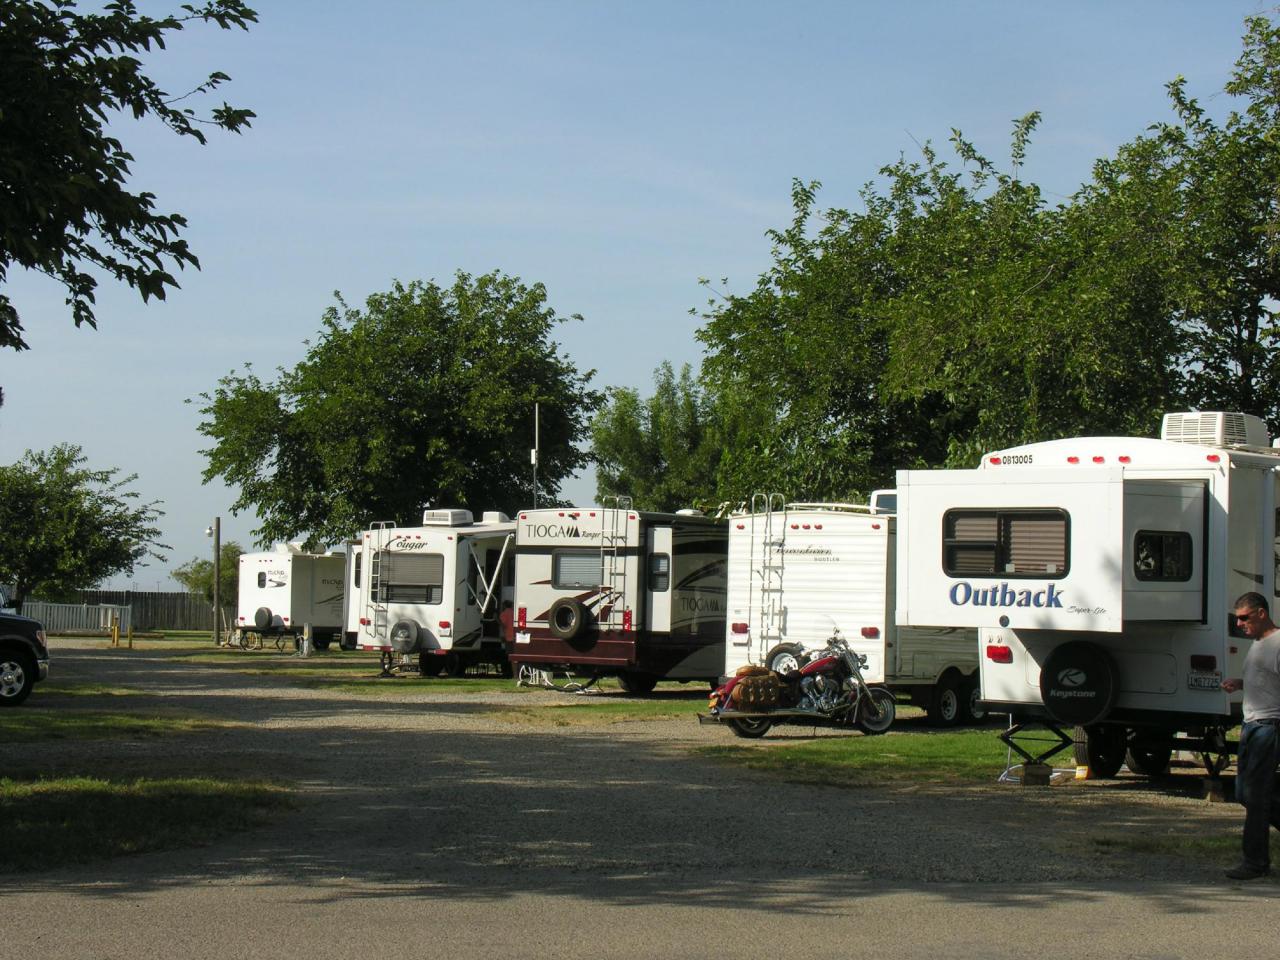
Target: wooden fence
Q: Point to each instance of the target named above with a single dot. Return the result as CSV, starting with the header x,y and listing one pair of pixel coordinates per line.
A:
x,y
162,610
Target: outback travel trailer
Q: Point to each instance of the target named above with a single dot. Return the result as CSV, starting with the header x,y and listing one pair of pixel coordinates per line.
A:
x,y
1101,573
799,571
283,590
434,591
612,591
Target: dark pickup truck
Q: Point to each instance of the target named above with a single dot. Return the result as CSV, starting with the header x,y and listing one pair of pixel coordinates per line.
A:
x,y
24,657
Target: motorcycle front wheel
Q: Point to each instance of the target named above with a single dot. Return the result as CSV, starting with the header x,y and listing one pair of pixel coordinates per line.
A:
x,y
877,711
750,728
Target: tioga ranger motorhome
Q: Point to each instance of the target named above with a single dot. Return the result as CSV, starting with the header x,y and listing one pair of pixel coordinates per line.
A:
x,y
799,571
1101,573
611,591
433,591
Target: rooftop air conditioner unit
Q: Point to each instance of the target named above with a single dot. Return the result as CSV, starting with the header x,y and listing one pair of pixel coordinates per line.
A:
x,y
1215,429
446,518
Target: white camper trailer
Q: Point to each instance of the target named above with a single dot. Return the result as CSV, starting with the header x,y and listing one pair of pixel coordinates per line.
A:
x,y
283,590
1101,573
799,571
612,591
351,609
434,591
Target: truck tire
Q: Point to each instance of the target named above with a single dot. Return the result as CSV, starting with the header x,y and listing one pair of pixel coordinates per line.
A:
x,y
970,699
637,683
17,677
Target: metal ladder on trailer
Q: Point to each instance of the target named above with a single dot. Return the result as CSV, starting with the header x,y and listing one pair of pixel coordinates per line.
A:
x,y
379,569
768,534
613,559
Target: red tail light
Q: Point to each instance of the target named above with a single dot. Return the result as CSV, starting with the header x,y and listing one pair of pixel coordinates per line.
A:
x,y
871,632
522,617
364,621
999,654
626,621
445,625
740,628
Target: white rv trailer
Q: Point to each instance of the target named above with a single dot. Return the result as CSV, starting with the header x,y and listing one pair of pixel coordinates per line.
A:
x,y
351,609
435,590
283,590
612,591
799,571
1101,573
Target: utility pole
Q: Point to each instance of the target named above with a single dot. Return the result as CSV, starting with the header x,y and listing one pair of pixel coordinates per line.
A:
x,y
216,532
533,456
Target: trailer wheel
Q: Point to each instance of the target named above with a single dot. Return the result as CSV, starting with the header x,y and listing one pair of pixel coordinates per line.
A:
x,y
567,617
320,643
637,683
1101,749
970,702
454,664
785,658
430,665
750,728
1148,757
946,705
263,618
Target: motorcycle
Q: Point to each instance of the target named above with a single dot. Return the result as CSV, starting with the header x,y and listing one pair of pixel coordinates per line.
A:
x,y
825,687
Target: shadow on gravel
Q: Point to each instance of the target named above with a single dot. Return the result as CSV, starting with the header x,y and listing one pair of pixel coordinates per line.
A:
x,y
483,815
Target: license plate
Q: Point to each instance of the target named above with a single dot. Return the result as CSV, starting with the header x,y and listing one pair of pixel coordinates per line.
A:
x,y
523,637
1204,681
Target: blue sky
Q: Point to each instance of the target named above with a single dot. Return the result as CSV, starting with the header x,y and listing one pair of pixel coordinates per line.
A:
x,y
615,152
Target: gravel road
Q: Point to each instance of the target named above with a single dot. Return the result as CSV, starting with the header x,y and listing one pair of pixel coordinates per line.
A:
x,y
430,821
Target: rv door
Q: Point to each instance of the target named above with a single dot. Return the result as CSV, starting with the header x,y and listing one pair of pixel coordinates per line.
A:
x,y
658,580
1011,547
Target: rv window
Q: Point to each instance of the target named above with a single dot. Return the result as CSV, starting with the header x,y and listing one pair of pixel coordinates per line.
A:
x,y
1006,543
473,579
356,576
412,577
262,580
570,570
1162,556
659,572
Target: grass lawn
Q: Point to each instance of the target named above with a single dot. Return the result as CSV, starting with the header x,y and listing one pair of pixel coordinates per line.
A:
x,y
26,725
954,757
50,823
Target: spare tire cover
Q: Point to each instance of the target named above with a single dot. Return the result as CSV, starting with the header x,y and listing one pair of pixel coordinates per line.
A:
x,y
405,637
1079,683
263,618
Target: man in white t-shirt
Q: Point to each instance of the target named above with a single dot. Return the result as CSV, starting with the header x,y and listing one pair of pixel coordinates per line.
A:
x,y
1259,737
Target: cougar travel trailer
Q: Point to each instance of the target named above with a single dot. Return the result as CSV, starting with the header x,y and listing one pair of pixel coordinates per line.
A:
x,y
434,590
283,590
799,571
620,592
1101,574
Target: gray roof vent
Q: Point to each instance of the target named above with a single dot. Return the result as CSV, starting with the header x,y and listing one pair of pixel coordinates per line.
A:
x,y
1215,429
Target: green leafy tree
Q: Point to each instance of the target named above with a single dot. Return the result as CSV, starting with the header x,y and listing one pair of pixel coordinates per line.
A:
x,y
426,398
197,574
67,527
65,206
660,451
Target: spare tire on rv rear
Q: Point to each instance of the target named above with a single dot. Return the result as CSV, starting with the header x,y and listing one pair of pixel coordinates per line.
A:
x,y
405,637
1079,683
263,618
567,618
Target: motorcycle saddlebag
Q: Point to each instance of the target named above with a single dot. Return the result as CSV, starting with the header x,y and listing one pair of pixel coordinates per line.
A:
x,y
756,692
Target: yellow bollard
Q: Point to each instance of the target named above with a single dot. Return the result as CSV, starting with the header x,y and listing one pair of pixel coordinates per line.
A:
x,y
115,630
